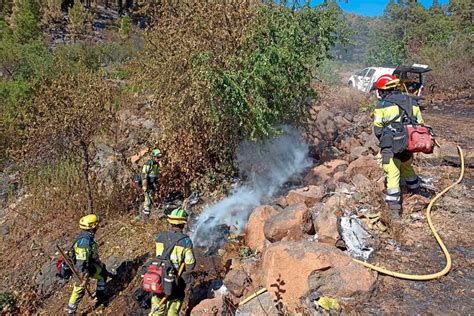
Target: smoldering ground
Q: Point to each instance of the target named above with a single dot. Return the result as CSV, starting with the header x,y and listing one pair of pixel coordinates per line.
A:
x,y
266,166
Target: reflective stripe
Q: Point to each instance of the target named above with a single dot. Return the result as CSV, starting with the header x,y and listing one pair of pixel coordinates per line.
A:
x,y
147,212
413,186
393,191
378,119
392,198
411,179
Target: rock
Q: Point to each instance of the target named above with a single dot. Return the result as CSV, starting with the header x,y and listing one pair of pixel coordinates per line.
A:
x,y
348,143
281,202
236,282
297,268
319,175
367,166
46,279
211,306
326,125
254,234
5,226
449,153
292,223
415,203
325,224
252,267
254,307
139,155
309,195
357,152
361,182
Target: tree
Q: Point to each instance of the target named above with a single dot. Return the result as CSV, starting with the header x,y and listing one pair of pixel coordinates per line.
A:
x,y
25,20
77,19
52,11
67,116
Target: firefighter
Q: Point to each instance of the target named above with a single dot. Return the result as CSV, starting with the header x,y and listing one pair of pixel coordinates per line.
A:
x,y
182,252
150,172
396,164
86,258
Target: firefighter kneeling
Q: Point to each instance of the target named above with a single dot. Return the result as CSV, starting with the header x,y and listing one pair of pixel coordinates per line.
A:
x,y
174,254
399,127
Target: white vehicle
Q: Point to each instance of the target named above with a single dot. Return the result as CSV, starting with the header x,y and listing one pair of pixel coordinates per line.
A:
x,y
364,80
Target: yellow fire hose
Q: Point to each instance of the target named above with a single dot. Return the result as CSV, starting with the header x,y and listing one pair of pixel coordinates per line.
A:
x,y
433,230
252,296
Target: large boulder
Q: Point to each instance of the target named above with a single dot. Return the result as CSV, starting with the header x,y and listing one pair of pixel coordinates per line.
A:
x,y
254,234
321,174
309,195
294,269
291,223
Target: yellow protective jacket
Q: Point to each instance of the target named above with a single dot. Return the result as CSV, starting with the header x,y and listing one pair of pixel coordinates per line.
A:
x,y
182,251
388,111
86,252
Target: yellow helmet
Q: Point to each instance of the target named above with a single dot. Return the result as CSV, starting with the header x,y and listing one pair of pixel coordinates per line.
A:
x,y
89,222
177,216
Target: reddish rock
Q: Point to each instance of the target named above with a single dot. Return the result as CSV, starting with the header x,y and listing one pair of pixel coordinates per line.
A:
x,y
211,306
325,224
366,165
298,267
309,195
291,223
263,305
362,183
348,143
236,282
254,234
357,152
321,174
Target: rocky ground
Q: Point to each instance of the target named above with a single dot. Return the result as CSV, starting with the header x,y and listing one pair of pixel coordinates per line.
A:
x,y
298,246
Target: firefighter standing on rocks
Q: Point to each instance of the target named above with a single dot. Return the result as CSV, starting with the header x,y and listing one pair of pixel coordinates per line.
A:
x,y
150,173
181,252
87,263
388,116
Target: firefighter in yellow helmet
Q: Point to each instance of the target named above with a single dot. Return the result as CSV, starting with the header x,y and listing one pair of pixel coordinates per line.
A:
x,y
388,127
86,260
150,173
182,252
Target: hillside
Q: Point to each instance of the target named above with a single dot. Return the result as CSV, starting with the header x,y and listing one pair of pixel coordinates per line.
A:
x,y
270,152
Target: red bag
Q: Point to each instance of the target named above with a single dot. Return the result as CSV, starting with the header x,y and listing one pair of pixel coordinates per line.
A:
x,y
152,279
420,139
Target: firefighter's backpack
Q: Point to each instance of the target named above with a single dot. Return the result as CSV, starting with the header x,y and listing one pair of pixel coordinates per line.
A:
x,y
161,275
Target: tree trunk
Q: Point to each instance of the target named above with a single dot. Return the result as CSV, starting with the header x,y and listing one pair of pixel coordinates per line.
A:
x,y
85,174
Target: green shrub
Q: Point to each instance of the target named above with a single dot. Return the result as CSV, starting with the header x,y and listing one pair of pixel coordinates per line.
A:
x,y
7,301
237,71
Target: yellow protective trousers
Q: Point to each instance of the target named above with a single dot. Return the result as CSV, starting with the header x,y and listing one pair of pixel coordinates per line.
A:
x,y
169,308
78,291
148,202
396,169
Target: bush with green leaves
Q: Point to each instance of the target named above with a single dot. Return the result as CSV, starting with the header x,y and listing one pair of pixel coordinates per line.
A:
x,y
7,302
221,73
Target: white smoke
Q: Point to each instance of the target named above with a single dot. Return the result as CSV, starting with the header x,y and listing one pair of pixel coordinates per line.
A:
x,y
267,166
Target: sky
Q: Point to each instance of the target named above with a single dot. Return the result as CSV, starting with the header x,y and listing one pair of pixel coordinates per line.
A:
x,y
371,7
